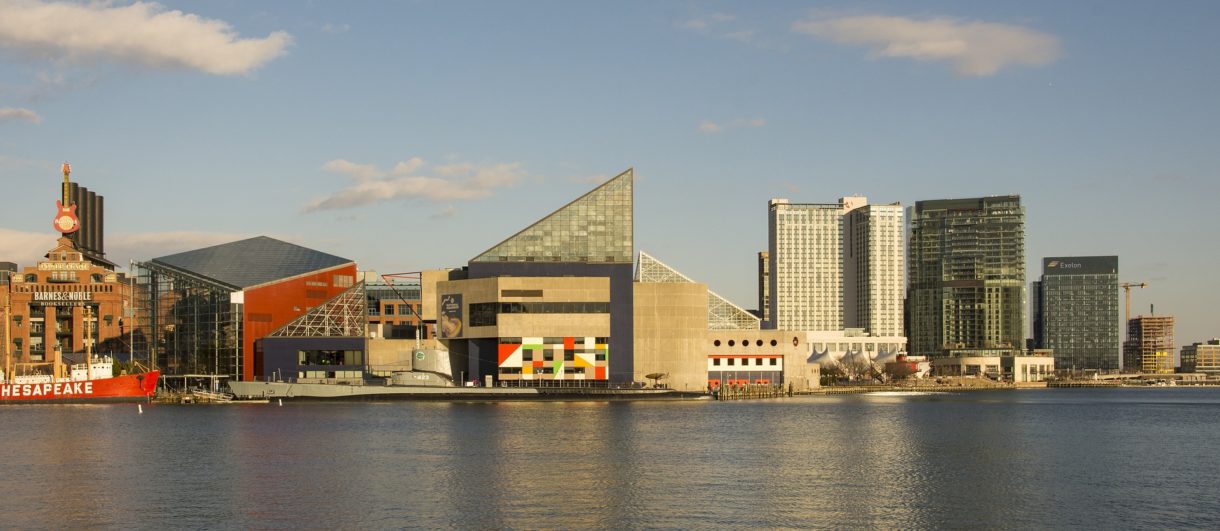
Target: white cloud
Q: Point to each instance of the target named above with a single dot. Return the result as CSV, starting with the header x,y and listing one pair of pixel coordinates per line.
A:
x,y
705,22
27,248
590,179
740,36
143,33
336,28
710,127
359,172
455,182
122,247
18,114
972,48
445,213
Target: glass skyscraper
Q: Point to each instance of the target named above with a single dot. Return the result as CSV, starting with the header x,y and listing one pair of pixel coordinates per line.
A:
x,y
1076,312
967,275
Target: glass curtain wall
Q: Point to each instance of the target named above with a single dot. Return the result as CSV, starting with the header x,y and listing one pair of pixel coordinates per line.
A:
x,y
186,324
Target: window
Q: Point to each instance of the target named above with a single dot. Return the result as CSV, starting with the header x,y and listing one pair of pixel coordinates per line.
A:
x,y
716,361
774,361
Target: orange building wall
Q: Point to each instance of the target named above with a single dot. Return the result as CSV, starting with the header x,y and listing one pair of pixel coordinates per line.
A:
x,y
271,306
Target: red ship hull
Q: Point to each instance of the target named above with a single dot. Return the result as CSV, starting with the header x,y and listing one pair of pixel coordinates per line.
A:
x,y
126,388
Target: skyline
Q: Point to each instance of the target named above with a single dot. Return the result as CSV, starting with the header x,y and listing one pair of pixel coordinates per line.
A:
x,y
409,137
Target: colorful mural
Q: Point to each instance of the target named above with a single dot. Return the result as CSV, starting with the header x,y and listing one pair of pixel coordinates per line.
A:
x,y
553,358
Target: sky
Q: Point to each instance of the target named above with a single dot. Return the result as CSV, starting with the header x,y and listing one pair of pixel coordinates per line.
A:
x,y
416,135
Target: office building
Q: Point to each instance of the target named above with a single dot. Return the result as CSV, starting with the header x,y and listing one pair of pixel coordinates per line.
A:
x,y
1075,312
1202,357
874,285
967,275
805,253
1149,346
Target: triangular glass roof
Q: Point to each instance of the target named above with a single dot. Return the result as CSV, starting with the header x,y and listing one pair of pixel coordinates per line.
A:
x,y
596,227
246,263
721,314
344,315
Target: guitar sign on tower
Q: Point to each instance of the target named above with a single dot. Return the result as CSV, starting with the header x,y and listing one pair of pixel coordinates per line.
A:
x,y
66,221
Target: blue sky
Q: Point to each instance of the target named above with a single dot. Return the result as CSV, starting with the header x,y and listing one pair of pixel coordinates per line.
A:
x,y
413,135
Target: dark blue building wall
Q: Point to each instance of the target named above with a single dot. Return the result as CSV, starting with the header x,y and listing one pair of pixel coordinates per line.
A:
x,y
280,353
622,301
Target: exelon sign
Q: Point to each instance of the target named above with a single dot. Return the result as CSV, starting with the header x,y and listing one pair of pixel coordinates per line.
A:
x,y
1080,265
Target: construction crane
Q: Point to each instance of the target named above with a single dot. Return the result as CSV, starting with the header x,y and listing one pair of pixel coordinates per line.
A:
x,y
1127,288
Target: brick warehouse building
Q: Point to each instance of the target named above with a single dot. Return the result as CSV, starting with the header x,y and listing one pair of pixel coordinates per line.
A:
x,y
73,299
62,304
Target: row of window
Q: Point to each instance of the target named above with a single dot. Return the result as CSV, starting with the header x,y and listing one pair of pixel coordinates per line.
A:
x,y
547,341
106,288
744,362
484,313
330,357
745,343
568,355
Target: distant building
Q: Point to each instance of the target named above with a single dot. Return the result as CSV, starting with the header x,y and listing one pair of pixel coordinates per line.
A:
x,y
764,288
805,251
873,269
1149,346
1075,312
7,270
1201,357
967,275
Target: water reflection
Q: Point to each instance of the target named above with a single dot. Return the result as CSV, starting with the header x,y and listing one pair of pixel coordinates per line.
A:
x,y
1025,460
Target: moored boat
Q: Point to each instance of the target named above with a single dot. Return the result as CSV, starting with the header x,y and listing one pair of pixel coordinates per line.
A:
x,y
79,388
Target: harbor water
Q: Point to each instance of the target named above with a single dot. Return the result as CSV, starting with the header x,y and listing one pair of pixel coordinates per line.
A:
x,y
1032,459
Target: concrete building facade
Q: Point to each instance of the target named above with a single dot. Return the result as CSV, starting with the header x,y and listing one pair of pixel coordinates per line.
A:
x,y
805,254
552,302
874,283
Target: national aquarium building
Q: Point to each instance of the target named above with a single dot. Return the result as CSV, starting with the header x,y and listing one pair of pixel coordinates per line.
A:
x,y
551,304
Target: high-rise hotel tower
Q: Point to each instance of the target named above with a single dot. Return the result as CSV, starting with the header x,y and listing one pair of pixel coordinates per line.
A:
x,y
805,249
873,268
835,265
967,275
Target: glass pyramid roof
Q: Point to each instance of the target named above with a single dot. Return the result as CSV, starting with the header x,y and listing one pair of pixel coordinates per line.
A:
x,y
721,314
596,227
344,315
